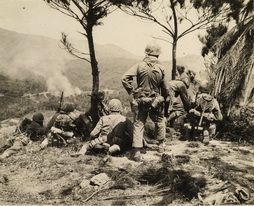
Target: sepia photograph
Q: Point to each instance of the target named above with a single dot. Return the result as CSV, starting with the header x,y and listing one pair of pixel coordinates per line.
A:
x,y
127,102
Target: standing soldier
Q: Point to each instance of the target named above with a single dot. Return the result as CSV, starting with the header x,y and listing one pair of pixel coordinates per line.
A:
x,y
149,96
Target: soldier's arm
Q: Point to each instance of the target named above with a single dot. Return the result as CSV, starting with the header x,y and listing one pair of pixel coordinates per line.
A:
x,y
165,88
216,111
184,97
127,78
96,131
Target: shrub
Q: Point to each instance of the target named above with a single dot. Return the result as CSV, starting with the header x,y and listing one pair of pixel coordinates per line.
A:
x,y
238,126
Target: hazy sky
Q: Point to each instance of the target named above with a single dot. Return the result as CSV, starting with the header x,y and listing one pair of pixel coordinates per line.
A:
x,y
130,33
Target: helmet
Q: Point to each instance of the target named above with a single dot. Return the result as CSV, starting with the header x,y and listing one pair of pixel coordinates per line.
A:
x,y
38,117
185,79
153,49
204,87
180,69
68,107
115,105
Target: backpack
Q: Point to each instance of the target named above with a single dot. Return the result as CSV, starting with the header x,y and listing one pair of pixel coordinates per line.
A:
x,y
23,124
64,122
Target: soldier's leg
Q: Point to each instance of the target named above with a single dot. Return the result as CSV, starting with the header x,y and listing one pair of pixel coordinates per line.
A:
x,y
160,126
212,129
89,145
138,129
15,148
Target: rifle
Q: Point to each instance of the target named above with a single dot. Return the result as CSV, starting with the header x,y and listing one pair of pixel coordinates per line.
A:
x,y
60,103
105,108
202,115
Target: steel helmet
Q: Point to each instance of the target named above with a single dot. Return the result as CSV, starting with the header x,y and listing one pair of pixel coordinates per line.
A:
x,y
153,49
204,87
115,105
38,117
68,107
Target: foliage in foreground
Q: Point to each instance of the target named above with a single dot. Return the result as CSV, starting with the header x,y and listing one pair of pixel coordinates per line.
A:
x,y
238,126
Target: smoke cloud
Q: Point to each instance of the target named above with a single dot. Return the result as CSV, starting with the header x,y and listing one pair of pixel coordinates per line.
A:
x,y
58,82
50,71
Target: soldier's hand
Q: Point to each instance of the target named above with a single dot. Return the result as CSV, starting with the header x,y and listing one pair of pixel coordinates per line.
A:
x,y
195,112
210,117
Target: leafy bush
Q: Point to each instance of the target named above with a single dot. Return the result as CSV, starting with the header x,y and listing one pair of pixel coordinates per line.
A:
x,y
238,126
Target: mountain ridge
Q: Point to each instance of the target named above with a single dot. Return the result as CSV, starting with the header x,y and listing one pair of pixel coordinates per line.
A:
x,y
23,54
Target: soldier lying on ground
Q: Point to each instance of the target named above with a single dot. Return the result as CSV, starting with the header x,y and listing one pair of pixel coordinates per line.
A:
x,y
203,116
28,132
113,131
61,127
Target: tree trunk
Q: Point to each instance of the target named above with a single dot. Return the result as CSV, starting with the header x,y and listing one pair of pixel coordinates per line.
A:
x,y
175,38
95,75
174,45
94,63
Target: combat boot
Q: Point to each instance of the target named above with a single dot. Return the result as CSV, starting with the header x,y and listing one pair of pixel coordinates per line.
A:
x,y
206,137
82,151
114,148
162,147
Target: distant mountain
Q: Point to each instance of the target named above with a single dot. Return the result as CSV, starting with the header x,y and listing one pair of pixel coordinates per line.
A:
x,y
112,69
105,51
33,52
26,56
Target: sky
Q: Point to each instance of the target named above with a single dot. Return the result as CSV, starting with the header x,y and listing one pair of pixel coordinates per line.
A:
x,y
127,32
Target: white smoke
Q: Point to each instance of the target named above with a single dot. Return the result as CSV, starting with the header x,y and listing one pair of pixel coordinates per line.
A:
x,y
50,71
57,82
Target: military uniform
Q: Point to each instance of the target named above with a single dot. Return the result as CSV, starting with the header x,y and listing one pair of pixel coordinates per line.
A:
x,y
35,131
180,101
113,130
151,78
61,127
203,116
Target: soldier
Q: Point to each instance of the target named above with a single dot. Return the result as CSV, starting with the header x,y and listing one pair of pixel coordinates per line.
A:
x,y
180,100
99,108
35,131
88,120
149,96
61,127
114,131
203,116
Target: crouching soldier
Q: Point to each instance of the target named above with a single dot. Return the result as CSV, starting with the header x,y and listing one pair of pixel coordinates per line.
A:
x,y
34,131
113,131
180,102
203,116
61,127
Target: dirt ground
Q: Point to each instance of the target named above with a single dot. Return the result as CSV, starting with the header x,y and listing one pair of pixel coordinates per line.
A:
x,y
188,173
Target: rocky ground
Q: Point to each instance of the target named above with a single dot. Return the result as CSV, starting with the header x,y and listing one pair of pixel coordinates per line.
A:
x,y
188,173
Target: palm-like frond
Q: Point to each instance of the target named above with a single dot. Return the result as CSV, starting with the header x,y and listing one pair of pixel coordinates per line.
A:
x,y
236,59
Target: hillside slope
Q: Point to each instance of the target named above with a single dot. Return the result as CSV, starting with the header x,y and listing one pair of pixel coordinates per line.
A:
x,y
187,173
